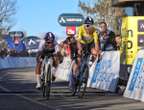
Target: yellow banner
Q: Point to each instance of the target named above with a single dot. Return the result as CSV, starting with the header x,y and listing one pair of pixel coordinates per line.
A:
x,y
132,38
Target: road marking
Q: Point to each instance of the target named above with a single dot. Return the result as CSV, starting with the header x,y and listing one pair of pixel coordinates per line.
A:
x,y
27,94
3,76
29,99
36,102
4,89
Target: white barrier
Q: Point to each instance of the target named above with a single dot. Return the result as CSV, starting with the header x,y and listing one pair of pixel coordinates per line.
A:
x,y
106,73
63,69
103,75
135,86
17,62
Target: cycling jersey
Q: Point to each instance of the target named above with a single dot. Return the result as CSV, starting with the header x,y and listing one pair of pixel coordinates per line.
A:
x,y
42,50
42,45
85,37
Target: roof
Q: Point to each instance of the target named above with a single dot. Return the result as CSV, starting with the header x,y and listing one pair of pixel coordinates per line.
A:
x,y
126,3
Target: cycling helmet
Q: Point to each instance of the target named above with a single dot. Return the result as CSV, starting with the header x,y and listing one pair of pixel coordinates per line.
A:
x,y
89,20
50,37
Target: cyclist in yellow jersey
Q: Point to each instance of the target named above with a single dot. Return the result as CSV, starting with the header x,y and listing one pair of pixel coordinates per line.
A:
x,y
87,38
87,35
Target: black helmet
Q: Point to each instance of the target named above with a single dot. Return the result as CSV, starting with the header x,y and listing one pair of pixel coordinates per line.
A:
x,y
49,37
89,20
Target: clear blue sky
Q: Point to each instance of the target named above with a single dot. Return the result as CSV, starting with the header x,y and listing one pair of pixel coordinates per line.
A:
x,y
36,16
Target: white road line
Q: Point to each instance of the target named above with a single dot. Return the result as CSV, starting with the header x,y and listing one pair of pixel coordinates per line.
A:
x,y
4,89
3,76
29,99
36,102
27,94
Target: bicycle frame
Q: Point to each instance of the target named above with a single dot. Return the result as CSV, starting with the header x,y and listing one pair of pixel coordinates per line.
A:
x,y
46,63
47,76
84,63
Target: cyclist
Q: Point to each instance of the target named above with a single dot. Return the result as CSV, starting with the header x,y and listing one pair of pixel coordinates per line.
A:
x,y
72,45
87,36
47,45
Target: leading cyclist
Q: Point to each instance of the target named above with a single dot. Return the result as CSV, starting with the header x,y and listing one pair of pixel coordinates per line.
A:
x,y
47,45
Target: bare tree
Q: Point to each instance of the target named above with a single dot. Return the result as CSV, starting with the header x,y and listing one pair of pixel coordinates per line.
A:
x,y
7,10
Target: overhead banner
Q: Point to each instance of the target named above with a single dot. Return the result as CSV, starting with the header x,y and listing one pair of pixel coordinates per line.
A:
x,y
70,19
31,42
106,73
135,86
11,45
19,34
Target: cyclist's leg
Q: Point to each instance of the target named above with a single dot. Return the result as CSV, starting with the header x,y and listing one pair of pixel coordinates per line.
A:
x,y
72,78
54,66
74,66
38,70
89,48
73,75
81,49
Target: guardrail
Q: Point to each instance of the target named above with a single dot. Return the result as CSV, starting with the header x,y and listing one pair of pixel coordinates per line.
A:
x,y
17,62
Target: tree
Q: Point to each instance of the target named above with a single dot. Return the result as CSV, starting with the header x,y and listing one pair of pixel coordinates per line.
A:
x,y
102,10
7,10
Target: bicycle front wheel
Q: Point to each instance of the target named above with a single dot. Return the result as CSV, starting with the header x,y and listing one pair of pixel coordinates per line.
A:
x,y
83,83
47,82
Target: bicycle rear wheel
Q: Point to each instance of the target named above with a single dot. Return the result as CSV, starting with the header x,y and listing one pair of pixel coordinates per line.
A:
x,y
83,83
75,87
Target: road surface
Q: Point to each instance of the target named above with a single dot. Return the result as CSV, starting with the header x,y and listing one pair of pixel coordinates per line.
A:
x,y
17,92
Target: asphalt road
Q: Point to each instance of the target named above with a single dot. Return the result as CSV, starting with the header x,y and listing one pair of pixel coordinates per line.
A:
x,y
17,92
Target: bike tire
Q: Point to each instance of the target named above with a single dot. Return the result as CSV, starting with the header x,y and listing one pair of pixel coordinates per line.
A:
x,y
83,83
75,88
48,86
43,82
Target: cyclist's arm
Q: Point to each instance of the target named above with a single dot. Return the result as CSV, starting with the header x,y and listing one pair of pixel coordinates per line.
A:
x,y
96,41
40,48
79,38
80,35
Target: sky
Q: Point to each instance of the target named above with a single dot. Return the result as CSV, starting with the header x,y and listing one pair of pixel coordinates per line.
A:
x,y
39,16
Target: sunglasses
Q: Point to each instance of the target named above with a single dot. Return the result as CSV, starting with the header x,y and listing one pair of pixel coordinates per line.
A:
x,y
88,25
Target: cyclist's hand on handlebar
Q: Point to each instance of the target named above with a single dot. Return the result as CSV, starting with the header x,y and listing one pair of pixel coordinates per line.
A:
x,y
40,58
95,52
99,52
79,52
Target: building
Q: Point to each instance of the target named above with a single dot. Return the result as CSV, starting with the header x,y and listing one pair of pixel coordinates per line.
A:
x,y
137,5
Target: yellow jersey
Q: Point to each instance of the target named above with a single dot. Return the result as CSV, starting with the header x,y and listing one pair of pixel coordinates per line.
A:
x,y
85,37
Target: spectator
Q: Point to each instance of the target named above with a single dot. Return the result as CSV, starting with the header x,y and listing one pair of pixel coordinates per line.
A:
x,y
118,41
106,38
3,47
